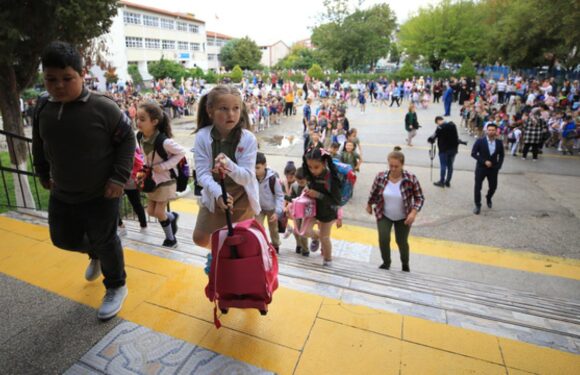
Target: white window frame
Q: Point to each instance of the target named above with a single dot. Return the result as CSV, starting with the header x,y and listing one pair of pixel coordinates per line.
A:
x,y
164,22
182,46
181,26
152,43
152,21
131,18
168,45
193,28
133,42
195,47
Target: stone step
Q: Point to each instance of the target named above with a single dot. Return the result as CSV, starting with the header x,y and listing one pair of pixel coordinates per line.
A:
x,y
502,305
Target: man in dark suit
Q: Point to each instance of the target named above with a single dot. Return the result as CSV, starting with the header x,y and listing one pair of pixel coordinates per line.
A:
x,y
488,151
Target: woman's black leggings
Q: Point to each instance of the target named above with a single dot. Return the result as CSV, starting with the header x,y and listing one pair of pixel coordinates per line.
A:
x,y
135,199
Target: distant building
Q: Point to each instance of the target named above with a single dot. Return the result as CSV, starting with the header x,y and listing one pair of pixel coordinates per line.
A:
x,y
305,43
273,53
215,42
140,34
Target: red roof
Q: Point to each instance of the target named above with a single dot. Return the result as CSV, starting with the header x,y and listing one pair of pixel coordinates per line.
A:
x,y
185,16
213,34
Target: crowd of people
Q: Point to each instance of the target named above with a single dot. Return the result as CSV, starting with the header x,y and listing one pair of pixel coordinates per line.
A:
x,y
86,188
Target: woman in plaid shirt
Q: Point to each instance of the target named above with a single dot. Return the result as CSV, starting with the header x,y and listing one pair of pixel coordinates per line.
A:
x,y
397,197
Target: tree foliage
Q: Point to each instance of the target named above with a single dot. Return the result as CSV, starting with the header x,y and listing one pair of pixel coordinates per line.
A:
x,y
467,69
518,33
316,72
167,68
299,57
357,40
135,74
237,74
243,52
448,31
26,27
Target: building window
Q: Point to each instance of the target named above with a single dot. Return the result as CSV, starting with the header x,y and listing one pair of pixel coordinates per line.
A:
x,y
168,44
150,21
210,42
133,42
193,29
167,24
211,56
182,46
152,43
194,46
132,18
181,26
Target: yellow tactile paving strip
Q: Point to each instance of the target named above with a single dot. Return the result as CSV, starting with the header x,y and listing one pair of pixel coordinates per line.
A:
x,y
485,255
302,334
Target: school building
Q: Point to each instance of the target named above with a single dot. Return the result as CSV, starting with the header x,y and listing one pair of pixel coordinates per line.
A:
x,y
215,42
140,34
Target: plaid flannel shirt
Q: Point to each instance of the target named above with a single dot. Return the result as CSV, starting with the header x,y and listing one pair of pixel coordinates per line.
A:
x,y
410,190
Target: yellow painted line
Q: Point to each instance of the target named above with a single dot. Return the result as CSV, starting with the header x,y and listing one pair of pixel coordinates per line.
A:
x,y
302,333
462,150
479,254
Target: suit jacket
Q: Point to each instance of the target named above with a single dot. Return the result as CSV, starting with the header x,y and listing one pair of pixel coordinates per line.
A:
x,y
480,152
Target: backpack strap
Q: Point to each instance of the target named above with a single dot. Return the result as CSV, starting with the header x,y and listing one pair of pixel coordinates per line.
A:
x,y
272,184
41,102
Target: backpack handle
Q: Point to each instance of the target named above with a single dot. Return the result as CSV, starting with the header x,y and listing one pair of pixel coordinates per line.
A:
x,y
233,249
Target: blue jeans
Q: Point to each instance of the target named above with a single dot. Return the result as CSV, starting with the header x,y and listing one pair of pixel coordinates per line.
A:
x,y
446,159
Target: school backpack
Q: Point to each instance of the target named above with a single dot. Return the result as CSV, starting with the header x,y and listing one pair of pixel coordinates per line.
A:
x,y
183,171
348,178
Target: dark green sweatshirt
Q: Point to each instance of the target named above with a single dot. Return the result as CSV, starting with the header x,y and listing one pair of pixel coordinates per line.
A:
x,y
81,145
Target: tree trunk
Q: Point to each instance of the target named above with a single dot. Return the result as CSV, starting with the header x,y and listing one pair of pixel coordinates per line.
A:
x,y
12,123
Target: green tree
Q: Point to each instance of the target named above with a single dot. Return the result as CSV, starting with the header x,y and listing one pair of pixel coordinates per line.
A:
x,y
316,72
299,57
166,68
528,33
467,69
406,71
135,74
237,74
243,52
357,40
26,27
449,31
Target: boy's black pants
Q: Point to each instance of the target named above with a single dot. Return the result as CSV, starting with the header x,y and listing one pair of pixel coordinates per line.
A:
x,y
90,227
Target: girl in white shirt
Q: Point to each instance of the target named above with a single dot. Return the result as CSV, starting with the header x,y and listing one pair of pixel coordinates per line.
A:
x,y
224,146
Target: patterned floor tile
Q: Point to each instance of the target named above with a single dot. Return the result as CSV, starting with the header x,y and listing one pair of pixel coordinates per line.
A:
x,y
133,349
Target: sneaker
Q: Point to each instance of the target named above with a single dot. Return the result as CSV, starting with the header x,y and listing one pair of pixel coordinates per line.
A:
x,y
174,227
326,263
448,184
121,231
112,302
439,184
306,253
298,250
406,268
93,270
314,245
169,243
385,266
523,158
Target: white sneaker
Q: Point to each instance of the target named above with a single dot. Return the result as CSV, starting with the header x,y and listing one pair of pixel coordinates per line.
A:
x,y
93,270
112,302
121,231
327,263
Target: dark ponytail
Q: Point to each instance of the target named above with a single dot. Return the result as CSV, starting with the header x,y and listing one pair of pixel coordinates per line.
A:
x,y
322,155
155,112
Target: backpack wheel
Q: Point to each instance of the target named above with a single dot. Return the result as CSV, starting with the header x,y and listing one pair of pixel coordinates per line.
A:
x,y
224,310
263,312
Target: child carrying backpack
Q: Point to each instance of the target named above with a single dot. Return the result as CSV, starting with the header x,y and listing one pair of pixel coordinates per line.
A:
x,y
162,155
271,198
